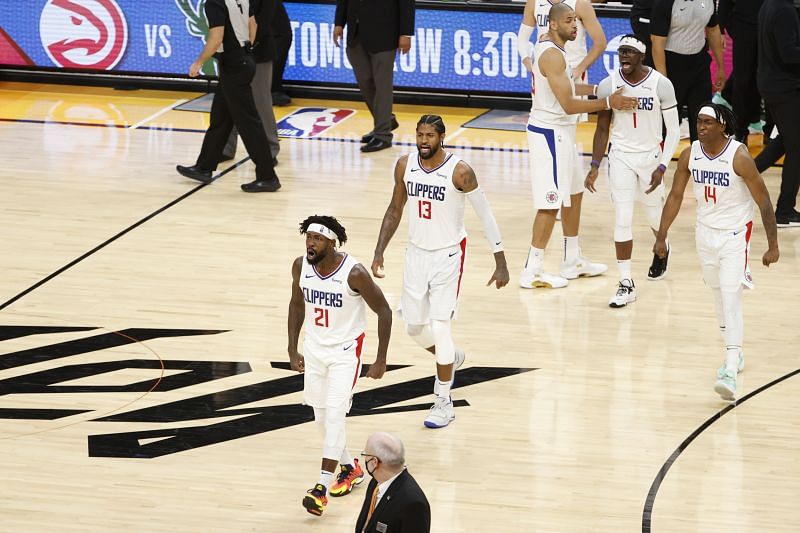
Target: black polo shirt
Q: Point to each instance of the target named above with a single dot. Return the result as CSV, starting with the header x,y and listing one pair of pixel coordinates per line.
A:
x,y
778,48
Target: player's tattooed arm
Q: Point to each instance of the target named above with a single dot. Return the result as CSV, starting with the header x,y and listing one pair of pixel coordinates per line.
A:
x,y
296,315
360,281
464,178
392,217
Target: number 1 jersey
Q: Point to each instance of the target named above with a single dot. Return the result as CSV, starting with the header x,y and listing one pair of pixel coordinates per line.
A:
x,y
334,313
435,207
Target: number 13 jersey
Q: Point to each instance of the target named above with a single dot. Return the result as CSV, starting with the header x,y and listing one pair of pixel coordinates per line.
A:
x,y
723,199
435,207
334,313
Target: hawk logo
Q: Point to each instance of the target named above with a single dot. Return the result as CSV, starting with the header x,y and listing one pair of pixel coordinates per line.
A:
x,y
88,34
188,416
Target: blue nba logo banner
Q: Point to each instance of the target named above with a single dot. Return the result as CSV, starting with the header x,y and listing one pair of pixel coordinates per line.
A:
x,y
311,121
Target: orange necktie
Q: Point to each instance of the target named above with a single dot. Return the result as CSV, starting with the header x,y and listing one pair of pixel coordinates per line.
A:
x,y
372,503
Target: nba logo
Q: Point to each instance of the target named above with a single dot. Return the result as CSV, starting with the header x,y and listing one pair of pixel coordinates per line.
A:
x,y
88,34
311,121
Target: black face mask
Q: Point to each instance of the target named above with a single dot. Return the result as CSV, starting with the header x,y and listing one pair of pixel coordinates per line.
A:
x,y
366,466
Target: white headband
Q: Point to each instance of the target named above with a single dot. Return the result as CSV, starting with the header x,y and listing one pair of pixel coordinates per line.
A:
x,y
634,43
709,111
322,230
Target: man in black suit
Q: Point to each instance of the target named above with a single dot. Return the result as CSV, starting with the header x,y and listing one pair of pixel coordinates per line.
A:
x,y
393,501
376,29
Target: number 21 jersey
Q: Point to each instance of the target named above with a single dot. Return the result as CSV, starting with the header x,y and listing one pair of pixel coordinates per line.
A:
x,y
334,313
435,207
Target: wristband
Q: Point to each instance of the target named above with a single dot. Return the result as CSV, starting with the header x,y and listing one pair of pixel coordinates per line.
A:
x,y
594,90
608,102
594,163
662,167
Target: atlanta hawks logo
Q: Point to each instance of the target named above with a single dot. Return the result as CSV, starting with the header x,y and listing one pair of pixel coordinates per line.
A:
x,y
88,34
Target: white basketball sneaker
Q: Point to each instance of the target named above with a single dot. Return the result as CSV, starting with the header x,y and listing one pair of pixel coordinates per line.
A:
x,y
626,294
460,358
582,268
441,413
533,280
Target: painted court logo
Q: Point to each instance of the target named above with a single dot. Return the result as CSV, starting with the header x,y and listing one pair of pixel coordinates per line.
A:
x,y
311,121
89,34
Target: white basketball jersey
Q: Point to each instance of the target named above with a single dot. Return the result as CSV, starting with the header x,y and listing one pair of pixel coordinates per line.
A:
x,y
334,313
576,50
723,200
435,208
638,130
545,108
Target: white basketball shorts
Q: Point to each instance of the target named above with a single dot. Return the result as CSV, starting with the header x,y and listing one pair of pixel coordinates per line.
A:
x,y
629,175
724,256
431,283
556,169
331,373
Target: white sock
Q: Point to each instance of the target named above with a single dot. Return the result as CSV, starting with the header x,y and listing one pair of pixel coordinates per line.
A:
x,y
347,458
732,359
624,269
443,388
571,249
535,260
325,479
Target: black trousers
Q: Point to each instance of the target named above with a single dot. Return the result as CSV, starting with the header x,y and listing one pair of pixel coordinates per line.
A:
x,y
746,100
785,110
691,77
282,32
642,30
233,104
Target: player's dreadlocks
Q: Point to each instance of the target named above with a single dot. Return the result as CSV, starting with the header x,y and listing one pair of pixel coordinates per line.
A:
x,y
329,222
724,116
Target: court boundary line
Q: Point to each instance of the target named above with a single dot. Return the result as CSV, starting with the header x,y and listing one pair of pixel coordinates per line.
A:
x,y
117,236
647,512
157,114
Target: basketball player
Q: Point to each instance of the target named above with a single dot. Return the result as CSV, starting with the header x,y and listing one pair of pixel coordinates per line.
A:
x,y
432,185
579,59
329,290
555,174
636,162
726,182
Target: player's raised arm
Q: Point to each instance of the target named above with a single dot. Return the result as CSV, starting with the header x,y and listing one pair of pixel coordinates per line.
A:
x,y
392,217
524,34
296,316
673,204
465,180
744,166
585,12
360,281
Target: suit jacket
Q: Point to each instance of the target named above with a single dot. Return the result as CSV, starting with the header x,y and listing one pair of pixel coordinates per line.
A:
x,y
377,24
404,508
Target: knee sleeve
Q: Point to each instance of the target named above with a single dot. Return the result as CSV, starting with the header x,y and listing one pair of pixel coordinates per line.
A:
x,y
734,322
445,348
653,213
622,221
335,436
421,334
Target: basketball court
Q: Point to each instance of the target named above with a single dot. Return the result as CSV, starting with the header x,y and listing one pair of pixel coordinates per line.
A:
x,y
144,380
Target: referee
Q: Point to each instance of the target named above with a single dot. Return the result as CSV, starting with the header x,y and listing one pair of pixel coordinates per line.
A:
x,y
679,32
232,29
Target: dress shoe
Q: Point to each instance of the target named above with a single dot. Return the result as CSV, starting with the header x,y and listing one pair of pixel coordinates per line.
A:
x,y
195,173
280,98
262,185
376,144
369,136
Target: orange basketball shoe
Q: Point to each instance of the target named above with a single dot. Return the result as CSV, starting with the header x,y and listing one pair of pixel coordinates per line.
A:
x,y
316,500
348,477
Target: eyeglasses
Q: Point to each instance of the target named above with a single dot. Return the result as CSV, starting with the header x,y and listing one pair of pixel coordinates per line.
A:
x,y
365,454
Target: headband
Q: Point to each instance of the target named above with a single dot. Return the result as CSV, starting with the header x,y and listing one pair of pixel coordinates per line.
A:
x,y
709,111
322,230
633,42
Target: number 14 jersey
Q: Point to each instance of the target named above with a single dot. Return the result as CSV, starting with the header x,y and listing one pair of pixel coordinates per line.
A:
x,y
435,207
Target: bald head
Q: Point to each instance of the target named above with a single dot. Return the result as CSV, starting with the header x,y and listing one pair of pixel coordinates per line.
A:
x,y
388,448
559,11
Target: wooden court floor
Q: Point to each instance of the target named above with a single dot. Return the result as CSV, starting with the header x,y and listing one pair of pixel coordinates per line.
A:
x,y
144,383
